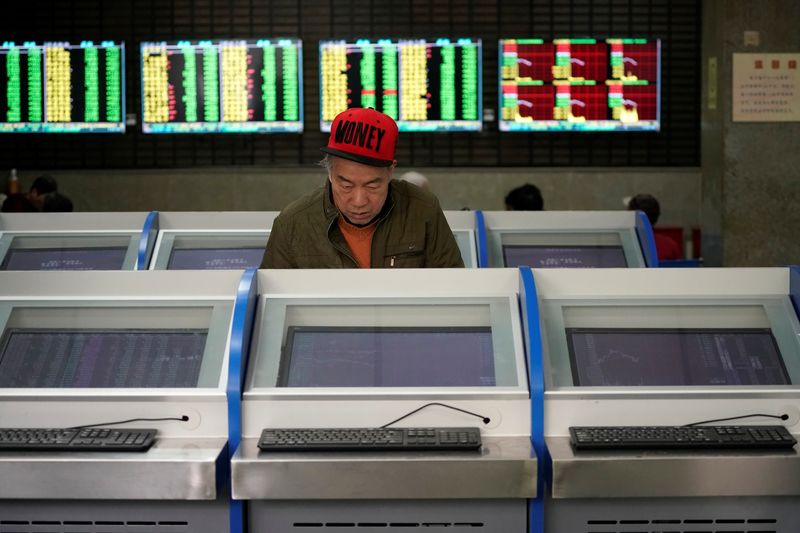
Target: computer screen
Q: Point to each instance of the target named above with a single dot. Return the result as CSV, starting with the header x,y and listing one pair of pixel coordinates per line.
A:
x,y
549,256
58,87
92,258
614,357
215,258
424,85
580,85
387,357
222,86
124,358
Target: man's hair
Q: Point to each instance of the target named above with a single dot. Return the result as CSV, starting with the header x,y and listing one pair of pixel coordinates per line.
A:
x,y
326,162
55,202
44,184
418,179
526,197
648,204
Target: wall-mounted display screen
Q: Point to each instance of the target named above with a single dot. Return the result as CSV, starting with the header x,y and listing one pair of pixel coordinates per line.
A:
x,y
222,86
618,357
551,256
58,87
580,85
215,258
423,85
126,358
86,258
387,357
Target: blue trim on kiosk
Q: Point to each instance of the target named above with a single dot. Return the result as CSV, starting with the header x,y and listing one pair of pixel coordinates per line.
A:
x,y
644,231
533,346
147,240
794,288
480,237
237,363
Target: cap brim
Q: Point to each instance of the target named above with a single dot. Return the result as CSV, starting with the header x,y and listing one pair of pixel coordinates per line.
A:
x,y
364,160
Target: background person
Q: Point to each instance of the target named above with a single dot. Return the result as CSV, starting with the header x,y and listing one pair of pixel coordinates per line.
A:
x,y
666,248
526,197
41,186
55,202
418,179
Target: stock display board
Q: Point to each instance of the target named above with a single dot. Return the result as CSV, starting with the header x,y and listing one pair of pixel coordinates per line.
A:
x,y
222,86
57,87
580,85
424,85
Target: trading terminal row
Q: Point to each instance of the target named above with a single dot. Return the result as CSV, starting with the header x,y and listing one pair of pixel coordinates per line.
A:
x,y
402,399
237,240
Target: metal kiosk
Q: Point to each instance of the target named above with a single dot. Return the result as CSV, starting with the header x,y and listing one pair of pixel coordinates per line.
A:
x,y
211,241
360,348
569,239
81,348
463,225
72,241
671,347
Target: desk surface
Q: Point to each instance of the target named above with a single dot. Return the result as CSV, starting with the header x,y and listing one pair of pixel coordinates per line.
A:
x,y
173,469
504,468
663,473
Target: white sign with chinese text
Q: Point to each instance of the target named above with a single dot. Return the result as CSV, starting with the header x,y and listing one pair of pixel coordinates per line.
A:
x,y
766,88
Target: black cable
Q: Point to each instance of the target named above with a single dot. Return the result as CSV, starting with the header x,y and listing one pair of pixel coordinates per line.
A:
x,y
779,417
183,418
485,419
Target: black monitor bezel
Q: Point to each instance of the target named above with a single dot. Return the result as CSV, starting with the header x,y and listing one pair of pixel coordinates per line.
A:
x,y
12,250
182,249
5,339
565,246
574,366
286,355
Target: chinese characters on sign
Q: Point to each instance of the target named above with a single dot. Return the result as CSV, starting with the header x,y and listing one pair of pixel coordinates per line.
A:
x,y
765,88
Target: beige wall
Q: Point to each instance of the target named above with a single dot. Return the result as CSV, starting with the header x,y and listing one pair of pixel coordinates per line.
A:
x,y
269,189
751,181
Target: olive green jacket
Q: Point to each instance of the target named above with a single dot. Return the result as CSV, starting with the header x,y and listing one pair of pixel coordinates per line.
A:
x,y
412,232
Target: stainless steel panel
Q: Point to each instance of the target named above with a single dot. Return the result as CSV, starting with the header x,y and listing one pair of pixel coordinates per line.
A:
x,y
173,469
757,514
660,474
116,516
505,468
384,516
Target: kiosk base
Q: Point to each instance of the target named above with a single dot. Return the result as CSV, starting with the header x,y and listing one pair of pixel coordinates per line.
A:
x,y
374,516
678,515
114,516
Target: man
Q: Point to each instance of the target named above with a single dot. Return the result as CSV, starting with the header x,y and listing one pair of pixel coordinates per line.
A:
x,y
666,248
361,218
526,197
41,187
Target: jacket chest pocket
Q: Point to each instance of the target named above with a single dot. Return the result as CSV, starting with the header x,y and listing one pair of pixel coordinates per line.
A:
x,y
405,255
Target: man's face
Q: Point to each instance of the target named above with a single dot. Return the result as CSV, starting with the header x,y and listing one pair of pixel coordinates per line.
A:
x,y
359,191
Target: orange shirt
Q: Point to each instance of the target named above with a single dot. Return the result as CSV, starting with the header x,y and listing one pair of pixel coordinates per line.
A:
x,y
359,240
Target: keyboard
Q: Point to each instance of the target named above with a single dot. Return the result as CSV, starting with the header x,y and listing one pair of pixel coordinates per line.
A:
x,y
680,437
370,439
87,439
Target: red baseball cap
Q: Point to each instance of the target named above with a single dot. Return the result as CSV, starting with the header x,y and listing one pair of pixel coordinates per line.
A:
x,y
363,135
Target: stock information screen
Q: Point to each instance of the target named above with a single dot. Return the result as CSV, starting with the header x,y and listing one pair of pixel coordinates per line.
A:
x,y
580,85
58,87
222,87
424,86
